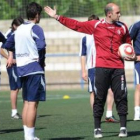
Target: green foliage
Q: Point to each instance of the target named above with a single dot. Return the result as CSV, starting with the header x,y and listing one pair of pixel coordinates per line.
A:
x,y
72,8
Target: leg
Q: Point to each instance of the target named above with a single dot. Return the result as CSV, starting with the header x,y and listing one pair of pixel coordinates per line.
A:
x,y
13,96
137,102
137,92
110,102
119,89
91,73
15,85
33,92
31,114
101,88
29,118
91,99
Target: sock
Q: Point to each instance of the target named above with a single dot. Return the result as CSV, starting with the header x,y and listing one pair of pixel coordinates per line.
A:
x,y
108,114
25,131
137,110
97,128
30,132
14,112
122,128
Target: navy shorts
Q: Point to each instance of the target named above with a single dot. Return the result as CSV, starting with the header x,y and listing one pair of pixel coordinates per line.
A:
x,y
137,73
34,87
91,73
14,80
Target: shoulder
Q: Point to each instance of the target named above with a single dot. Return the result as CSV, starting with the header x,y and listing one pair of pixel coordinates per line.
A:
x,y
37,28
122,25
119,23
136,25
9,33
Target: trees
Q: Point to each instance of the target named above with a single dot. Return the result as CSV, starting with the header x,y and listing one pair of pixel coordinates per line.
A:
x,y
72,8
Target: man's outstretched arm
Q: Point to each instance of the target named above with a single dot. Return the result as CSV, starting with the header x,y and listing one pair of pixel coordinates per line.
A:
x,y
84,27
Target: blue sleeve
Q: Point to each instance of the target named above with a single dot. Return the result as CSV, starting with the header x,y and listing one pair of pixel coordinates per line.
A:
x,y
39,38
10,43
84,48
2,38
133,30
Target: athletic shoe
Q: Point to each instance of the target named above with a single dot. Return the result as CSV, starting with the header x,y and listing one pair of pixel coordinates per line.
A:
x,y
123,133
136,118
98,133
16,116
111,119
35,138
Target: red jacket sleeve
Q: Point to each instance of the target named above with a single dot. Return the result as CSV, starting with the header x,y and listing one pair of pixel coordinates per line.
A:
x,y
83,27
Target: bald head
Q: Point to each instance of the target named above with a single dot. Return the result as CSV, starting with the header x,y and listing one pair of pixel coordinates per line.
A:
x,y
110,7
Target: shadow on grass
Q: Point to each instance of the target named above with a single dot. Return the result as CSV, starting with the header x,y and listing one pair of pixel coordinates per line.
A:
x,y
75,138
15,130
116,122
42,116
133,133
10,131
130,134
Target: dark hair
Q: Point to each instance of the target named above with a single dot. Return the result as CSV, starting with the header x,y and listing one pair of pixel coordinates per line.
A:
x,y
17,21
93,17
32,10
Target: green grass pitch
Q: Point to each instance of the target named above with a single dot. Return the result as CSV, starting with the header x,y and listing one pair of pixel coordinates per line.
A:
x,y
64,119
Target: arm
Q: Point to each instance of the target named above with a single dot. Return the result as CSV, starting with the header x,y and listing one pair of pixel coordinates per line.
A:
x,y
2,38
133,30
84,27
10,43
39,38
10,60
3,53
83,50
83,68
127,39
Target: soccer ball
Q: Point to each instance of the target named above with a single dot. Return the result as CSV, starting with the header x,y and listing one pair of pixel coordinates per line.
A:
x,y
125,50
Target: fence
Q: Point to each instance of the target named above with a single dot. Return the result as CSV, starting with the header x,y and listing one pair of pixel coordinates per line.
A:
x,y
63,71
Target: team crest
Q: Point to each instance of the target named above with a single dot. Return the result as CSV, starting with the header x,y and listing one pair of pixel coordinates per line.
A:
x,y
119,32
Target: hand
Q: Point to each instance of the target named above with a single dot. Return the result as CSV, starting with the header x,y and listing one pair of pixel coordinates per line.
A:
x,y
84,76
131,58
14,61
10,61
51,12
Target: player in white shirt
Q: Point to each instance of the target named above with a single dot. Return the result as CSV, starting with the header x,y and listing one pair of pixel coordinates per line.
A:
x,y
29,45
88,60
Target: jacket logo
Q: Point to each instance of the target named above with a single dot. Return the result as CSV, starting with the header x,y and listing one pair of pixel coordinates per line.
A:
x,y
119,32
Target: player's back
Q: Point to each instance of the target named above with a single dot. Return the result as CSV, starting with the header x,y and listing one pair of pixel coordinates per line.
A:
x,y
90,51
26,50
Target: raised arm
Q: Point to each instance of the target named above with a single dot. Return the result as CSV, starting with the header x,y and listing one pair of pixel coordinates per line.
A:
x,y
84,27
